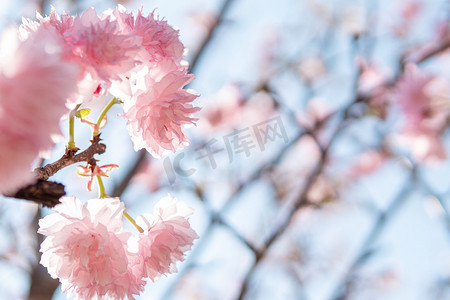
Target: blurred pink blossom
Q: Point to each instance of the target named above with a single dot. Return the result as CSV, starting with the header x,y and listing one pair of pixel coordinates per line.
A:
x,y
231,108
64,26
223,109
167,236
87,250
34,83
317,111
426,145
312,68
149,175
371,77
156,116
367,162
408,12
411,97
423,99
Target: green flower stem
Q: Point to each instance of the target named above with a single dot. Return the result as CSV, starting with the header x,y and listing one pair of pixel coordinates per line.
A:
x,y
102,194
101,188
71,142
129,218
103,114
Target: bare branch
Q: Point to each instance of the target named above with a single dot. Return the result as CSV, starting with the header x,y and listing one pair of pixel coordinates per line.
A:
x,y
48,193
120,188
344,285
69,159
219,20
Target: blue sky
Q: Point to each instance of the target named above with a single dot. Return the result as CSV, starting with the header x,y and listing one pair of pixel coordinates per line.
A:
x,y
415,244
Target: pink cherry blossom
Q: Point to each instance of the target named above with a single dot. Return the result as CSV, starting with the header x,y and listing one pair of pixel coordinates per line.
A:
x,y
98,45
410,95
15,163
424,101
408,13
159,39
426,145
367,162
62,24
167,236
34,83
156,115
87,82
87,250
317,111
124,19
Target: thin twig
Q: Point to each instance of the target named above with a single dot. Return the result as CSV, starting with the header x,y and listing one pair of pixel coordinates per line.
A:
x,y
120,188
343,286
300,202
219,220
205,43
48,193
302,199
446,211
69,159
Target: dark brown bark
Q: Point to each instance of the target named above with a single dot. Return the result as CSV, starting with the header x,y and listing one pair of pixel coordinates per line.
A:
x,y
70,158
44,192
48,193
42,286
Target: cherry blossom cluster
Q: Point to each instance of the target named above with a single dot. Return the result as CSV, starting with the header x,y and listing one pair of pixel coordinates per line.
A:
x,y
420,100
424,101
49,67
87,249
54,68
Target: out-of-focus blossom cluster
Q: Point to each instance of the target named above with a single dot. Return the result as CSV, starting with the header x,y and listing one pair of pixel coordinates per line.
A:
x,y
34,83
87,249
424,101
421,102
48,69
52,65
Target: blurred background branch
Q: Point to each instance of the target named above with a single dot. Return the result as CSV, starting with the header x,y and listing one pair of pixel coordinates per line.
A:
x,y
336,206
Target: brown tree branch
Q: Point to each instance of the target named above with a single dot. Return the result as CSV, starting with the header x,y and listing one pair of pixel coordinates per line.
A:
x,y
120,188
302,199
344,285
426,53
48,193
69,159
300,202
43,192
42,286
207,41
